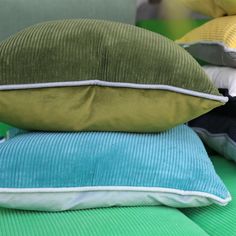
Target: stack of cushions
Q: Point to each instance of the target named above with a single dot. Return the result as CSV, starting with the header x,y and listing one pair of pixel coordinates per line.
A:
x,y
92,75
218,127
215,43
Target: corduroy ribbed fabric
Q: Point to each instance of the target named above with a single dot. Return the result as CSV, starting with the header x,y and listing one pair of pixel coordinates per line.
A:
x,y
61,171
213,42
137,221
85,50
215,220
91,75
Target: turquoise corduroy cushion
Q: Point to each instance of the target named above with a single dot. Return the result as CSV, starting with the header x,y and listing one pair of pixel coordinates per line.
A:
x,y
61,171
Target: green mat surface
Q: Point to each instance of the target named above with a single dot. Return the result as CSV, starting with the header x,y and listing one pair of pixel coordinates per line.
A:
x,y
138,221
3,129
215,220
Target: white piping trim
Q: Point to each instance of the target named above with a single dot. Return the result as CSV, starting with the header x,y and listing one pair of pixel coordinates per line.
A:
x,y
227,49
2,140
118,188
114,84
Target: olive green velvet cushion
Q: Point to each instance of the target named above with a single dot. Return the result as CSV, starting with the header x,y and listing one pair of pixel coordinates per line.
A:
x,y
132,221
216,220
75,75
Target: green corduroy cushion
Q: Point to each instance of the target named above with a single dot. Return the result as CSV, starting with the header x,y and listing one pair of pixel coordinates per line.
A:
x,y
139,221
74,75
215,220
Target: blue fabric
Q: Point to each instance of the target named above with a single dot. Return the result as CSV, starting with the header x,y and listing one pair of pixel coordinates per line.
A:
x,y
173,159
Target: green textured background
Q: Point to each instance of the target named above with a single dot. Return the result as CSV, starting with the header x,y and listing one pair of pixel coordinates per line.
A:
x,y
123,221
172,29
217,220
3,129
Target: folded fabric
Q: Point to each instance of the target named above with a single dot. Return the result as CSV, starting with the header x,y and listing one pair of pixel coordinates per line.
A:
x,y
214,8
91,75
16,15
213,42
68,171
218,127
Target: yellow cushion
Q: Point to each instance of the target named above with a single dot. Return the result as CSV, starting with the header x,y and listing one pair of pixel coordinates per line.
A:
x,y
206,7
229,6
213,42
214,8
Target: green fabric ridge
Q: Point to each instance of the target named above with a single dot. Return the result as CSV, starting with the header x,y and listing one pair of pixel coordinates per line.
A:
x,y
96,108
80,50
137,221
216,220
